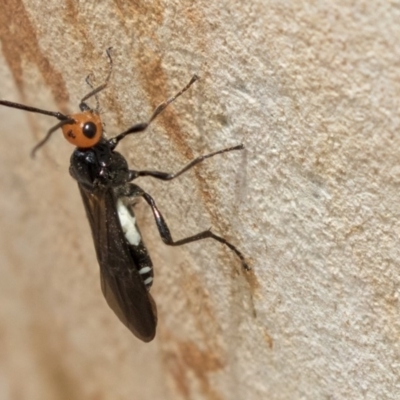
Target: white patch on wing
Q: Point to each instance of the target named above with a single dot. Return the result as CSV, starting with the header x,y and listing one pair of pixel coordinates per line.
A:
x,y
144,270
128,223
148,281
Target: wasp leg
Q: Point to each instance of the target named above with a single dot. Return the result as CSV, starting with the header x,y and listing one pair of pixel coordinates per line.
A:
x,y
132,191
159,109
165,176
48,135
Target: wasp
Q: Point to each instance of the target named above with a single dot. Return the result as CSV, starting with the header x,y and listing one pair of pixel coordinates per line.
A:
x,y
108,194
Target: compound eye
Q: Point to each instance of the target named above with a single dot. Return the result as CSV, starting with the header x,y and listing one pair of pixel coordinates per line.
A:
x,y
89,130
86,130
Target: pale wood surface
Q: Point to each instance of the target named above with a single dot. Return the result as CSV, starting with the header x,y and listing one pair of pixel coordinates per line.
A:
x,y
313,91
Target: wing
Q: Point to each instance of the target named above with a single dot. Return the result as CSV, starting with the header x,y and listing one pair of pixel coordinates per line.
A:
x,y
121,283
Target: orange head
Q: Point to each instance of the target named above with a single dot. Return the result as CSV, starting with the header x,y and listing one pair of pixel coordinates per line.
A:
x,y
85,131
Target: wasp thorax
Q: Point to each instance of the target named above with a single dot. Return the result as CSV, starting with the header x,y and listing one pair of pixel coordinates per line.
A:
x,y
85,131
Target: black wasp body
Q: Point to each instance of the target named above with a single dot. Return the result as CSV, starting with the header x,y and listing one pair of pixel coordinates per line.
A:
x,y
126,271
105,182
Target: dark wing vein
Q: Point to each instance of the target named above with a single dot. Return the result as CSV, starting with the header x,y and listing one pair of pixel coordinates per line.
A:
x,y
121,284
